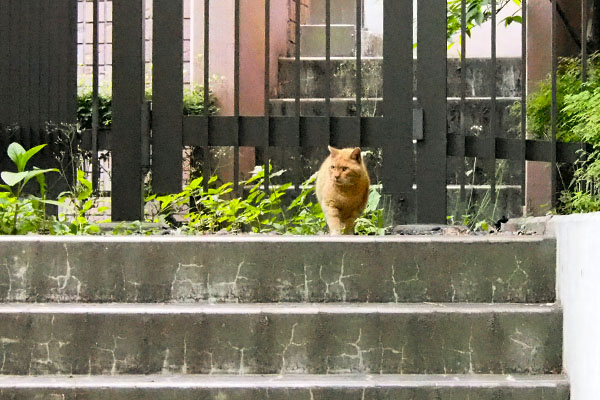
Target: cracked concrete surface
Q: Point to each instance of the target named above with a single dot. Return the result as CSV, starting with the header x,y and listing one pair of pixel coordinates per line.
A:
x,y
292,309
280,339
285,270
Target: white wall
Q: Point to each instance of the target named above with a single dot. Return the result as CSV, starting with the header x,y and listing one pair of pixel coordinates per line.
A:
x,y
578,281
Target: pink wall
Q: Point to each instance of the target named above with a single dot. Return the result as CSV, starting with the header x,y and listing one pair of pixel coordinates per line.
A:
x,y
252,55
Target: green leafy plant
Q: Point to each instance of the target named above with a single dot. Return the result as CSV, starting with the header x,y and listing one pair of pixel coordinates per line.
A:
x,y
478,12
193,104
214,209
19,213
305,216
260,211
79,200
578,120
577,103
84,109
193,101
479,211
377,217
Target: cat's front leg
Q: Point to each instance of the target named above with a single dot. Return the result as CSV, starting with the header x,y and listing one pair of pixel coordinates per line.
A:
x,y
334,222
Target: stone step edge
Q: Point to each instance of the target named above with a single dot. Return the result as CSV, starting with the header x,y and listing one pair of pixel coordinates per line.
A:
x,y
323,25
353,99
71,382
275,308
380,58
260,238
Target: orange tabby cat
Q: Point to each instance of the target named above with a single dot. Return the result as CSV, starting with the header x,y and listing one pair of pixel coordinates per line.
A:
x,y
342,189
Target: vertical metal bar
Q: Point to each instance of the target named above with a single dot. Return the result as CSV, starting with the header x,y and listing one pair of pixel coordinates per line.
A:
x,y
298,63
431,92
14,68
493,106
463,105
584,28
236,97
71,63
34,76
328,71
4,62
167,96
523,97
106,45
398,166
54,64
45,55
358,58
554,113
24,71
206,149
128,100
268,83
62,56
95,100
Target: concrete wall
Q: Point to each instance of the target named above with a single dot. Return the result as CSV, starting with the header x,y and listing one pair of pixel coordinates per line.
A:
x,y
578,280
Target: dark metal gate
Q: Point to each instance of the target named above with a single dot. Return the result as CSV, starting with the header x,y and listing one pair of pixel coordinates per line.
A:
x,y
38,70
38,84
171,130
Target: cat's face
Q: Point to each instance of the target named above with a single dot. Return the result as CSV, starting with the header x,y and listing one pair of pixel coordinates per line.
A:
x,y
345,166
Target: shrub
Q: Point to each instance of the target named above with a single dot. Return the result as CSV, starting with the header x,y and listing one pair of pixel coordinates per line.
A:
x,y
578,105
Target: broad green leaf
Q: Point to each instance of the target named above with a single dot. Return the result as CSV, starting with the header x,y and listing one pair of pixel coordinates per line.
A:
x,y
41,179
88,205
373,202
13,178
84,194
53,202
277,173
36,172
15,151
93,229
85,182
28,154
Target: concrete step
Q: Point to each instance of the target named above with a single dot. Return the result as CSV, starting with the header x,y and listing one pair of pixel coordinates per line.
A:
x,y
342,12
281,269
314,387
312,40
313,77
477,112
112,339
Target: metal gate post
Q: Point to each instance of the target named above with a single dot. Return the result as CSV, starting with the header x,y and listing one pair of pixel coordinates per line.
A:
x,y
128,103
431,94
398,159
167,96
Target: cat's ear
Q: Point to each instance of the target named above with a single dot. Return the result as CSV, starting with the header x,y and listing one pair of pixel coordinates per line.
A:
x,y
332,150
355,155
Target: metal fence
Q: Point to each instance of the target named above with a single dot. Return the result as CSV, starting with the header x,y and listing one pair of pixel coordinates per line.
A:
x,y
38,64
413,132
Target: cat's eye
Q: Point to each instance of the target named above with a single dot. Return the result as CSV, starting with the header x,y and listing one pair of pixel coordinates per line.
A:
x,y
344,168
333,167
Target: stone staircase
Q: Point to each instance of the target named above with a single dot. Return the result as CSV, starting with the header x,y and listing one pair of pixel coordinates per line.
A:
x,y
272,317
